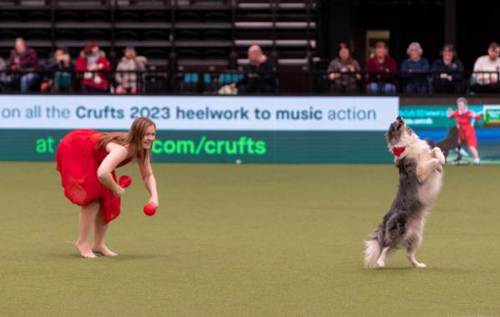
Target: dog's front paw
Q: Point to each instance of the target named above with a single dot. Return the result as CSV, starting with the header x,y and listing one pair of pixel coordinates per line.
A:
x,y
438,154
439,168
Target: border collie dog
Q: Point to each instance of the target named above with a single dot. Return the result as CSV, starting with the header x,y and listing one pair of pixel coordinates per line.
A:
x,y
420,176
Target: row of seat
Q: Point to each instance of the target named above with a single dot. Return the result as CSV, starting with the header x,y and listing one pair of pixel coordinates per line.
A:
x,y
286,27
200,32
93,15
118,35
178,4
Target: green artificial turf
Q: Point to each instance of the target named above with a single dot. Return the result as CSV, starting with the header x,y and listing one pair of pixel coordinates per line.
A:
x,y
249,240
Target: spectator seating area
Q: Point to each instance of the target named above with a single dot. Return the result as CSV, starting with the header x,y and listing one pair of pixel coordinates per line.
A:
x,y
181,34
201,46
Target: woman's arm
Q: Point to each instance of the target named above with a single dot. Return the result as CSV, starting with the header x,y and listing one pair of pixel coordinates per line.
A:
x,y
451,114
476,116
116,155
150,182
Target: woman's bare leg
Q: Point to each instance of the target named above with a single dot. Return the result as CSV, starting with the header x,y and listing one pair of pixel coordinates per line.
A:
x,y
100,232
87,219
475,153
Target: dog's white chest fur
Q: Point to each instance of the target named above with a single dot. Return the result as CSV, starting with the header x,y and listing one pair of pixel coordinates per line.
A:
x,y
429,170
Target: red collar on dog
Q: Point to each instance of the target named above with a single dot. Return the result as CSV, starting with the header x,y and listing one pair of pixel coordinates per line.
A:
x,y
397,151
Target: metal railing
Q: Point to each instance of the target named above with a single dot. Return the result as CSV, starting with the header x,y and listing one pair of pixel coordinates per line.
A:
x,y
279,82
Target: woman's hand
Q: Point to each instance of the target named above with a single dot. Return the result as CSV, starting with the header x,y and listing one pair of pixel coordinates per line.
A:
x,y
119,191
333,76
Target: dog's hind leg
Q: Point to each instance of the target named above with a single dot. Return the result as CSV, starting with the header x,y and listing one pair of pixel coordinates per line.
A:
x,y
381,258
413,260
412,244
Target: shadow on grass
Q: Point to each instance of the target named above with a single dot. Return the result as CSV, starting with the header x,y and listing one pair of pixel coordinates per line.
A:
x,y
409,269
121,257
131,257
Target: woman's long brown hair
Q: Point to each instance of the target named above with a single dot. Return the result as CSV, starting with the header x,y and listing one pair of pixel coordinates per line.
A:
x,y
133,139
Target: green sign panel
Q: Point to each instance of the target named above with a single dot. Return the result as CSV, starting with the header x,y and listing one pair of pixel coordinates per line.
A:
x,y
223,146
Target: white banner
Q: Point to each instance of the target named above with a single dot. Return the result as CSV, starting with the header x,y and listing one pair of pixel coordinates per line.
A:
x,y
199,113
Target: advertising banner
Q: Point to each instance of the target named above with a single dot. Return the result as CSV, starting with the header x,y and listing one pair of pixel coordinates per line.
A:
x,y
208,129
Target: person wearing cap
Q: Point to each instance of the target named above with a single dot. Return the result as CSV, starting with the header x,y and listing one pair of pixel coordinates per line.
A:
x,y
466,132
486,71
414,71
93,63
129,72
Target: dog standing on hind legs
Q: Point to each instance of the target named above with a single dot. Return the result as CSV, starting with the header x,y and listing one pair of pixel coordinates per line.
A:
x,y
420,176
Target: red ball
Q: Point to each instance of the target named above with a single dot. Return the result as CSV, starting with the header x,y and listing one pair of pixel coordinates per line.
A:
x,y
125,181
149,209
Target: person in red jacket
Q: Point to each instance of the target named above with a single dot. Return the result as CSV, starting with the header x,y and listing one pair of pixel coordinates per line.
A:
x,y
381,71
93,65
466,131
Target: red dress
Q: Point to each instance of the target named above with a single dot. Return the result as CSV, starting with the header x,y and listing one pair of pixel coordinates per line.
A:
x,y
78,157
466,132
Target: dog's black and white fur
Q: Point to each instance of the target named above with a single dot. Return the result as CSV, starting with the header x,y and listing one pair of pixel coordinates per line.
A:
x,y
420,176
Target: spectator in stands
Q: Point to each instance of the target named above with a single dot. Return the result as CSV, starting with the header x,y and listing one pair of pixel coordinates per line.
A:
x,y
343,72
447,72
24,64
414,71
129,72
381,71
59,69
3,74
94,65
486,69
259,75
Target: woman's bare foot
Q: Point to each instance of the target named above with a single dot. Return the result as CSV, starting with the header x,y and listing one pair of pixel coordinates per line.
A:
x,y
84,250
104,250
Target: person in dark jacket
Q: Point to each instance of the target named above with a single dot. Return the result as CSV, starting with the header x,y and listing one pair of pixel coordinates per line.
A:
x,y
3,74
23,63
259,75
381,71
343,72
447,72
415,71
59,69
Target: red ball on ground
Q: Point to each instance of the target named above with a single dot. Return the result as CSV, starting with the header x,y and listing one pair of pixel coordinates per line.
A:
x,y
125,181
149,209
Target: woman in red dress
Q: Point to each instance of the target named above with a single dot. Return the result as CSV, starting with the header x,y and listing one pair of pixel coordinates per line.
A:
x,y
466,131
87,160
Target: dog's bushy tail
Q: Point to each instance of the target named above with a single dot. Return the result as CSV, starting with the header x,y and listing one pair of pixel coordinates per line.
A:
x,y
372,250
